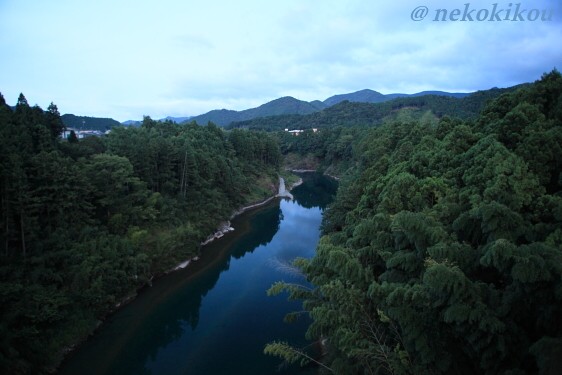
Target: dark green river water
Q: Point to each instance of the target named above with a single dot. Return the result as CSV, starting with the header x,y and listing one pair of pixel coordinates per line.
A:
x,y
214,317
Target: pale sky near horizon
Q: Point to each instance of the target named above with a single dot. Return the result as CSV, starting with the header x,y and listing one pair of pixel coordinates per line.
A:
x,y
125,59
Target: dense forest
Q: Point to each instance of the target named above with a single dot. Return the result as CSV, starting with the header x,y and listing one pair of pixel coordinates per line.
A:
x,y
86,223
442,253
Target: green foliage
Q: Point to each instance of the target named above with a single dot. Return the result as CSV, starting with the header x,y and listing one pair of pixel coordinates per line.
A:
x,y
291,355
548,352
443,249
88,123
86,223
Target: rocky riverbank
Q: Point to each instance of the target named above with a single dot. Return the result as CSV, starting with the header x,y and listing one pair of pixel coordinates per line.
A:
x,y
223,229
226,227
312,171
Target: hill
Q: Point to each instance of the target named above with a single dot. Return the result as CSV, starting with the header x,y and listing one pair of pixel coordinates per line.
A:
x,y
88,123
438,93
131,123
177,120
290,106
362,96
282,106
348,113
370,96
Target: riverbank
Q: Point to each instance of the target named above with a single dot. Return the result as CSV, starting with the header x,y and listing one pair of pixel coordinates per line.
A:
x,y
313,171
295,184
98,321
177,324
223,228
226,227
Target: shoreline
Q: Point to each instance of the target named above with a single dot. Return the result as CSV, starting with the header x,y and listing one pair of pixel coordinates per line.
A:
x,y
295,184
224,228
311,171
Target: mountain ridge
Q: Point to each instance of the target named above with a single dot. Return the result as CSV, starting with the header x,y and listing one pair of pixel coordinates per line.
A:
x,y
285,105
346,113
288,105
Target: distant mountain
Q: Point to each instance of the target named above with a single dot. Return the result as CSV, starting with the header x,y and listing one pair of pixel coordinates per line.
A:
x,y
131,123
363,96
88,123
290,106
458,95
410,107
318,104
283,106
221,117
177,120
370,96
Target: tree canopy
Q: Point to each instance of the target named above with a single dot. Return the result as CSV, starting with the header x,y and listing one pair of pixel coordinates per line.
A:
x,y
85,223
443,250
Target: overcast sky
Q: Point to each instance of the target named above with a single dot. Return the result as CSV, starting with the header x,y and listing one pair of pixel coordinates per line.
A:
x,y
126,59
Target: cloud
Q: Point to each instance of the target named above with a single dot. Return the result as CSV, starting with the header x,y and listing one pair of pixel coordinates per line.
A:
x,y
125,59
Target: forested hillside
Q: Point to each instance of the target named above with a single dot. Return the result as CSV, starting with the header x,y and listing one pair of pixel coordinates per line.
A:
x,y
88,123
442,253
370,96
370,114
84,224
339,127
287,108
281,106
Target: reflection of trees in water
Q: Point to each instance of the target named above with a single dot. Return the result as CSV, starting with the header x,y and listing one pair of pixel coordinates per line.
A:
x,y
168,317
316,190
167,322
265,224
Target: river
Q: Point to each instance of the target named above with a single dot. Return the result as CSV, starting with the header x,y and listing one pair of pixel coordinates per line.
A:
x,y
214,317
